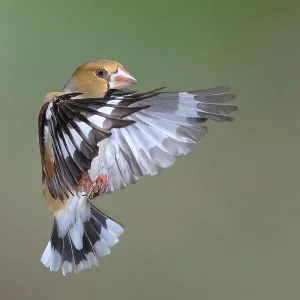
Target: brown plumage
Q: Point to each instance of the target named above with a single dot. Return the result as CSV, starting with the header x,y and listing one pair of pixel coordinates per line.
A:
x,y
85,80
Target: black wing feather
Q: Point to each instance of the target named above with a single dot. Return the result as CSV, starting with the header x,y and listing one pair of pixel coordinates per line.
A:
x,y
75,135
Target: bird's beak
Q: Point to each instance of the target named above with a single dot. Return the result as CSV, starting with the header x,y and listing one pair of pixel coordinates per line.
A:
x,y
121,79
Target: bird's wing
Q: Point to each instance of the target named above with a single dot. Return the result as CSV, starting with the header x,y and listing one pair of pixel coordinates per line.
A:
x,y
167,129
69,130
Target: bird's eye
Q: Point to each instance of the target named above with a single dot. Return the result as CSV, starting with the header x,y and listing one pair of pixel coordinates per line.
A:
x,y
102,73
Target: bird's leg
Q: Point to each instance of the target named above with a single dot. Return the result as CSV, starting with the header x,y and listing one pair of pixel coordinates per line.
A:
x,y
85,183
99,186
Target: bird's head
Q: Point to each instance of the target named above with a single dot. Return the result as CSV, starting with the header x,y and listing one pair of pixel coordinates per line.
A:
x,y
94,78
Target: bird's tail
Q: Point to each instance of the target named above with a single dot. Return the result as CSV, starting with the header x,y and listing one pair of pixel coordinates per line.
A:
x,y
80,247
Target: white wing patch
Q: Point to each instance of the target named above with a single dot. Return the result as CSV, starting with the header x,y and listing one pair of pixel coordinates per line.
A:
x,y
166,130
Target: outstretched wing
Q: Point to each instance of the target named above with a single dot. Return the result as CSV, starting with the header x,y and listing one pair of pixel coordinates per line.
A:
x,y
69,130
167,129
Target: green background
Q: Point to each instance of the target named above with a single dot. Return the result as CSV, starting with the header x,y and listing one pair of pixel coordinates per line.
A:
x,y
223,223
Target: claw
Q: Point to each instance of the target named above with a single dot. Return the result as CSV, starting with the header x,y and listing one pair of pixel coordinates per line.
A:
x,y
100,185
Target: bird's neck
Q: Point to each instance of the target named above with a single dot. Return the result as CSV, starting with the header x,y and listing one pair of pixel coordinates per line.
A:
x,y
50,96
92,90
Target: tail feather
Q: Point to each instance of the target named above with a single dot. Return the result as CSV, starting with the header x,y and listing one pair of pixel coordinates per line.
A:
x,y
81,246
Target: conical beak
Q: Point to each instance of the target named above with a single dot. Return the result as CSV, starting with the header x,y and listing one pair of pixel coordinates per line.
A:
x,y
121,78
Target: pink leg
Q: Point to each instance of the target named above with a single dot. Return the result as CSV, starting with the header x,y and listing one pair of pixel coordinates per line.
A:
x,y
100,186
85,183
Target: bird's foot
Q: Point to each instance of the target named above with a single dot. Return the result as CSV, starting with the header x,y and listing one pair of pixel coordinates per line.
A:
x,y
100,185
85,183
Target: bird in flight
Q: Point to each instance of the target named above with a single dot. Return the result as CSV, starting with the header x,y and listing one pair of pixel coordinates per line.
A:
x,y
95,137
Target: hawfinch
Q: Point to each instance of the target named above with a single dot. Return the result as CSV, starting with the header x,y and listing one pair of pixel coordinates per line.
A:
x,y
96,137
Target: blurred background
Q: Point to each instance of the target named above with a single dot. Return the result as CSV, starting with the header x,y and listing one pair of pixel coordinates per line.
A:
x,y
223,223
